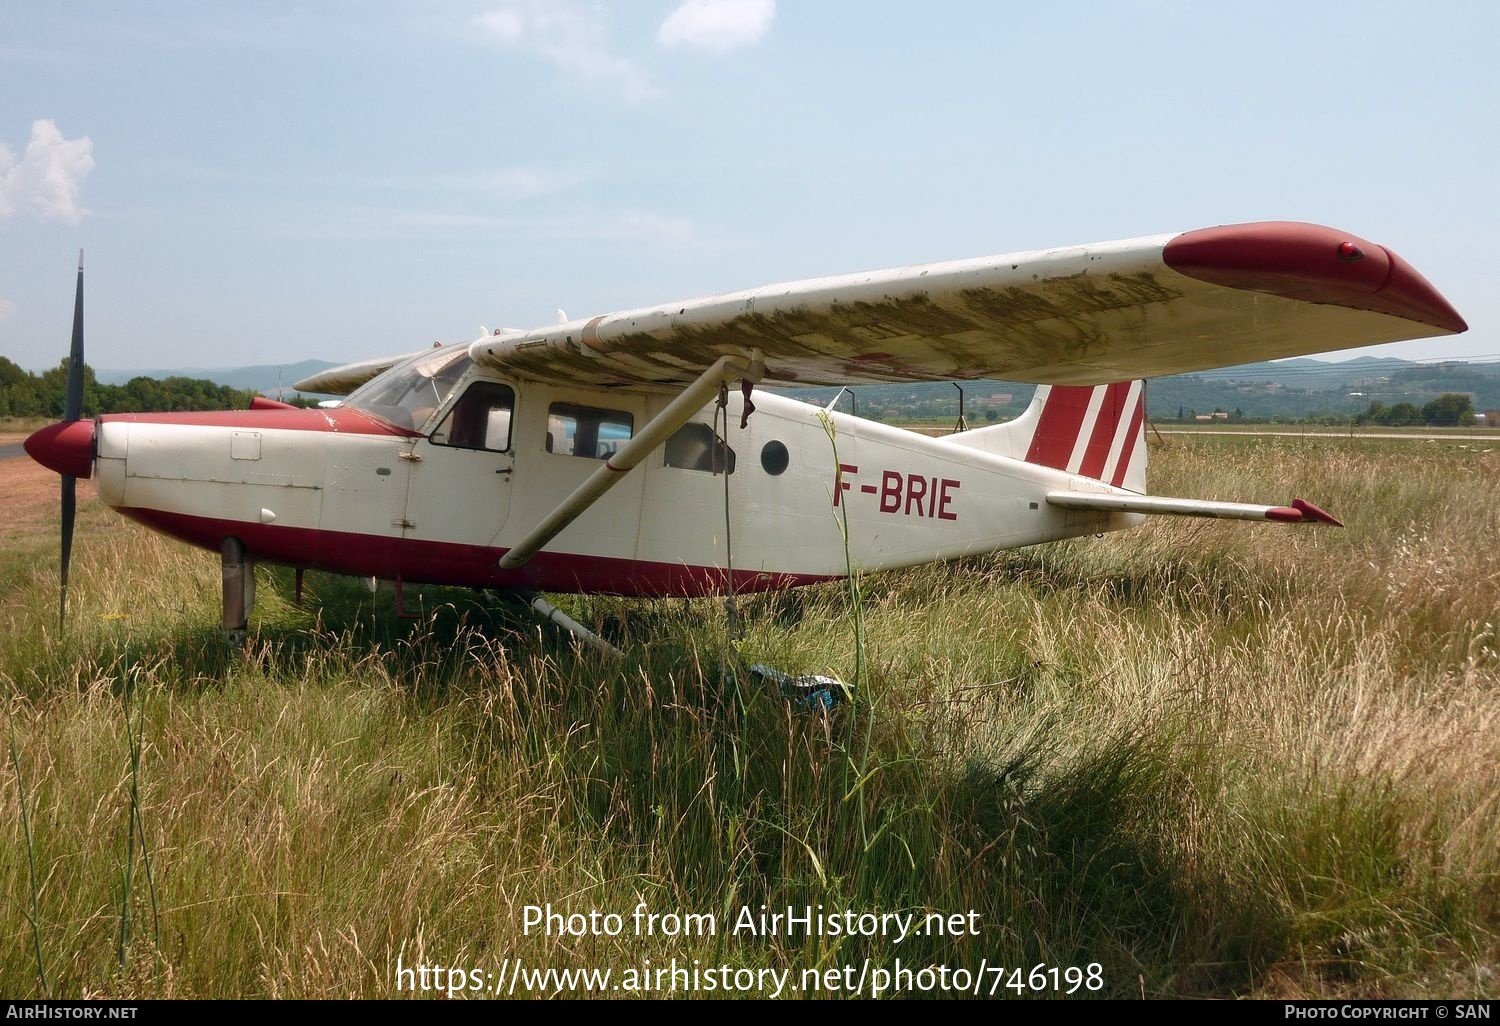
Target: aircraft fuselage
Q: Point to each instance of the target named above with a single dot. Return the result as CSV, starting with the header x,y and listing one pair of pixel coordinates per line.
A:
x,y
343,491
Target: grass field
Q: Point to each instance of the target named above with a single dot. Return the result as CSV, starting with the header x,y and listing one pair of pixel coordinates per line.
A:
x,y
1475,432
1215,759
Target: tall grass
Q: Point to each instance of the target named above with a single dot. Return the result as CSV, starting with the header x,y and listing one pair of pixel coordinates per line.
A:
x,y
1213,758
33,911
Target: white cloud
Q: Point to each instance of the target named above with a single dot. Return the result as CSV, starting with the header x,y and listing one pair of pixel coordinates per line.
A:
x,y
717,25
525,182
44,183
513,183
630,227
569,33
7,310
635,228
508,24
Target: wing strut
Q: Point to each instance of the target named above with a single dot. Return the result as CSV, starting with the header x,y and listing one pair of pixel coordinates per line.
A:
x,y
657,430
547,611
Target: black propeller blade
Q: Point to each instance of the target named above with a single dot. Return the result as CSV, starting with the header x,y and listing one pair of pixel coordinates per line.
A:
x,y
72,410
73,401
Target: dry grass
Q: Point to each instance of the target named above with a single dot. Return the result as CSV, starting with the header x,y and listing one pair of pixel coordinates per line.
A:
x,y
1214,758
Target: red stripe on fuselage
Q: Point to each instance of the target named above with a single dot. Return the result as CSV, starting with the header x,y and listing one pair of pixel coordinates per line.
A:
x,y
469,566
1057,428
1111,411
339,419
1131,433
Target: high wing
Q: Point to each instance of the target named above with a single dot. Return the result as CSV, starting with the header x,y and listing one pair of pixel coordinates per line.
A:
x,y
1080,315
345,379
1083,315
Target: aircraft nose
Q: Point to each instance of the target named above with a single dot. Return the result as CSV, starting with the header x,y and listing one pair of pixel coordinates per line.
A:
x,y
66,448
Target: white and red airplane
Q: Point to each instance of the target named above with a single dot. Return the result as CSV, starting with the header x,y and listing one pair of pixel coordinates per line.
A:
x,y
612,455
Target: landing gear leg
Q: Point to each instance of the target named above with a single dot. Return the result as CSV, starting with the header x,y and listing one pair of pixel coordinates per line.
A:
x,y
239,591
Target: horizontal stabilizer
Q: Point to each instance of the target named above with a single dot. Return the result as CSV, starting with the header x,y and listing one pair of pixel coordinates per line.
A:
x,y
1299,512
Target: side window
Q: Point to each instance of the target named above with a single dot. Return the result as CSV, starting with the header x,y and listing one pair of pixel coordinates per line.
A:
x,y
696,447
480,420
585,431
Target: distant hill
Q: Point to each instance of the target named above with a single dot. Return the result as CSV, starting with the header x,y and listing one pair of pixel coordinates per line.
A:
x,y
1287,389
263,379
1296,388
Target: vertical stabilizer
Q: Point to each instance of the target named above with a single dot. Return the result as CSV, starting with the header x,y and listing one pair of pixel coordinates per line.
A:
x,y
1097,432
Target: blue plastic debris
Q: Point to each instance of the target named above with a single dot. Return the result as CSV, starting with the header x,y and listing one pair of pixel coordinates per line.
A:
x,y
811,693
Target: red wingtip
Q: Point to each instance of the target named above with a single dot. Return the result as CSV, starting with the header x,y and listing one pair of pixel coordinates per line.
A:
x,y
1312,263
1311,512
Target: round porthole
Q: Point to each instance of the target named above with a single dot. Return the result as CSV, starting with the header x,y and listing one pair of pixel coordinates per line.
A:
x,y
774,458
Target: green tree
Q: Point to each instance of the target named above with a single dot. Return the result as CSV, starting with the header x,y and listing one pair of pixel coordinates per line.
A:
x,y
23,394
1400,415
1451,409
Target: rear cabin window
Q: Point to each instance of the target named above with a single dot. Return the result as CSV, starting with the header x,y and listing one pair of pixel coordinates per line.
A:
x,y
588,432
697,447
480,420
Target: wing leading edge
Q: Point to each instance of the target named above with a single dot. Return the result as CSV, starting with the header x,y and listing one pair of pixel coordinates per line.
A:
x,y
1080,315
345,379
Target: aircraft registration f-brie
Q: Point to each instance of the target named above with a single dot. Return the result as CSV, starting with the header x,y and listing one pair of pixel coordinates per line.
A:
x,y
613,455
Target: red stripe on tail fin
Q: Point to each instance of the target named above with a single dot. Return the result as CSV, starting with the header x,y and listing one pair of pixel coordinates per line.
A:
x,y
1106,424
1092,431
1057,430
1137,417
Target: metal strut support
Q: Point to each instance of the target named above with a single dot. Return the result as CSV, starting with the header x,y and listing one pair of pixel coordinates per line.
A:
x,y
963,423
550,612
657,430
239,590
732,621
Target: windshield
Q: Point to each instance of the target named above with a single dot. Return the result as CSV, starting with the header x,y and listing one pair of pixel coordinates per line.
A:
x,y
408,394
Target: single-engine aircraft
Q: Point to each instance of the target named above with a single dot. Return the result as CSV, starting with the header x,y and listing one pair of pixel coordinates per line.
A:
x,y
625,454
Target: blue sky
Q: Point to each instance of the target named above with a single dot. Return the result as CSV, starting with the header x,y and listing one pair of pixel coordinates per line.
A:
x,y
270,182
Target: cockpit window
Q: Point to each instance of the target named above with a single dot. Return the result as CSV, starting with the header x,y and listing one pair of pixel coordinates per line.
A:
x,y
408,394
